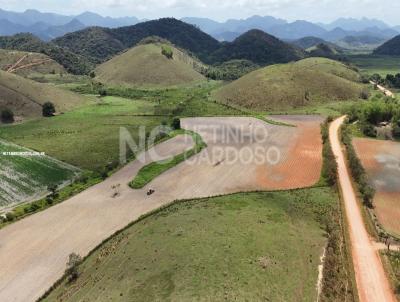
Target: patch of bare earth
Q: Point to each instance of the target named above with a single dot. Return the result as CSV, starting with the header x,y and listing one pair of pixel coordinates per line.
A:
x,y
381,159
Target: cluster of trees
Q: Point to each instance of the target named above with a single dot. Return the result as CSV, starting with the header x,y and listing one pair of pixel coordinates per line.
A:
x,y
372,113
391,81
357,170
7,116
229,71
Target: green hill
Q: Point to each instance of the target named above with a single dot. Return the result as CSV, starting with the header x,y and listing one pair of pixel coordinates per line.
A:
x,y
25,97
146,65
72,62
324,50
390,48
293,85
102,43
28,63
258,47
307,42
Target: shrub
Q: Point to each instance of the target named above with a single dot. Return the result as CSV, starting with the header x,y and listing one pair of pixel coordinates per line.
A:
x,y
7,116
48,109
10,216
71,271
176,124
167,51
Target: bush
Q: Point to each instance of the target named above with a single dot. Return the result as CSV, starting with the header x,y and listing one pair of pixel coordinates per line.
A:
x,y
10,216
48,109
167,52
7,116
71,271
176,124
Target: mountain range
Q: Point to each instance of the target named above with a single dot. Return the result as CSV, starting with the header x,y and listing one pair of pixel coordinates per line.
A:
x,y
48,26
339,29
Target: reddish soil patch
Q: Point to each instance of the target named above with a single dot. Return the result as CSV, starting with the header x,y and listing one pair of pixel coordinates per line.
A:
x,y
301,166
381,159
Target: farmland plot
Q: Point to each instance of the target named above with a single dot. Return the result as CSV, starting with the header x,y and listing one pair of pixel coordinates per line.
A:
x,y
381,159
26,177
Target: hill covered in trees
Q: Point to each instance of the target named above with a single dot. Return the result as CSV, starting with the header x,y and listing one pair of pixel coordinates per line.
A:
x,y
103,43
100,44
258,47
390,48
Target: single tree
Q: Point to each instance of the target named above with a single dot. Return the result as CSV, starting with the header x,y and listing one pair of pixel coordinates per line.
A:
x,y
48,109
72,267
176,123
7,116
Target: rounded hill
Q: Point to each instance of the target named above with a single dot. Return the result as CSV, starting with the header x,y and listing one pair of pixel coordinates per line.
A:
x,y
286,86
260,48
151,65
25,97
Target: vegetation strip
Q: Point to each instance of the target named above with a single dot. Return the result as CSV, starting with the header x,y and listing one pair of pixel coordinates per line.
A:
x,y
154,169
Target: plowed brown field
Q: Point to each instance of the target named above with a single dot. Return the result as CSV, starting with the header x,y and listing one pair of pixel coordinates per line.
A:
x,y
381,159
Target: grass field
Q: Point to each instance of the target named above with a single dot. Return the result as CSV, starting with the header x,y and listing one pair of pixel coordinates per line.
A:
x,y
88,137
290,86
154,169
242,247
383,65
24,177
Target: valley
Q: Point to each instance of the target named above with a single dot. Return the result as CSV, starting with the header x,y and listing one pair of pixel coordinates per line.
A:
x,y
156,160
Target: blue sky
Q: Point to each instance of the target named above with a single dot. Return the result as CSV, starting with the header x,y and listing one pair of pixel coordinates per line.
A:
x,y
312,10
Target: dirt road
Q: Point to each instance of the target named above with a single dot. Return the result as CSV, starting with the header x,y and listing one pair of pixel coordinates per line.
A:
x,y
34,251
385,91
372,282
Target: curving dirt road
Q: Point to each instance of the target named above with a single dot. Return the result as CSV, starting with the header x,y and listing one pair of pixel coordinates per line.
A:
x,y
372,282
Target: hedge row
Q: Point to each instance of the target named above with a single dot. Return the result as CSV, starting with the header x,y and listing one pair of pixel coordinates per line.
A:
x,y
356,168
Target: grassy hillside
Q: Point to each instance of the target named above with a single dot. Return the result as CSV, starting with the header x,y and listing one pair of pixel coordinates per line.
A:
x,y
146,66
31,63
72,62
390,48
258,47
280,87
25,97
243,247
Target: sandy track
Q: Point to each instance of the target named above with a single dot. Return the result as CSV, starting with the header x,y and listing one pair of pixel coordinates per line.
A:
x,y
372,282
34,251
